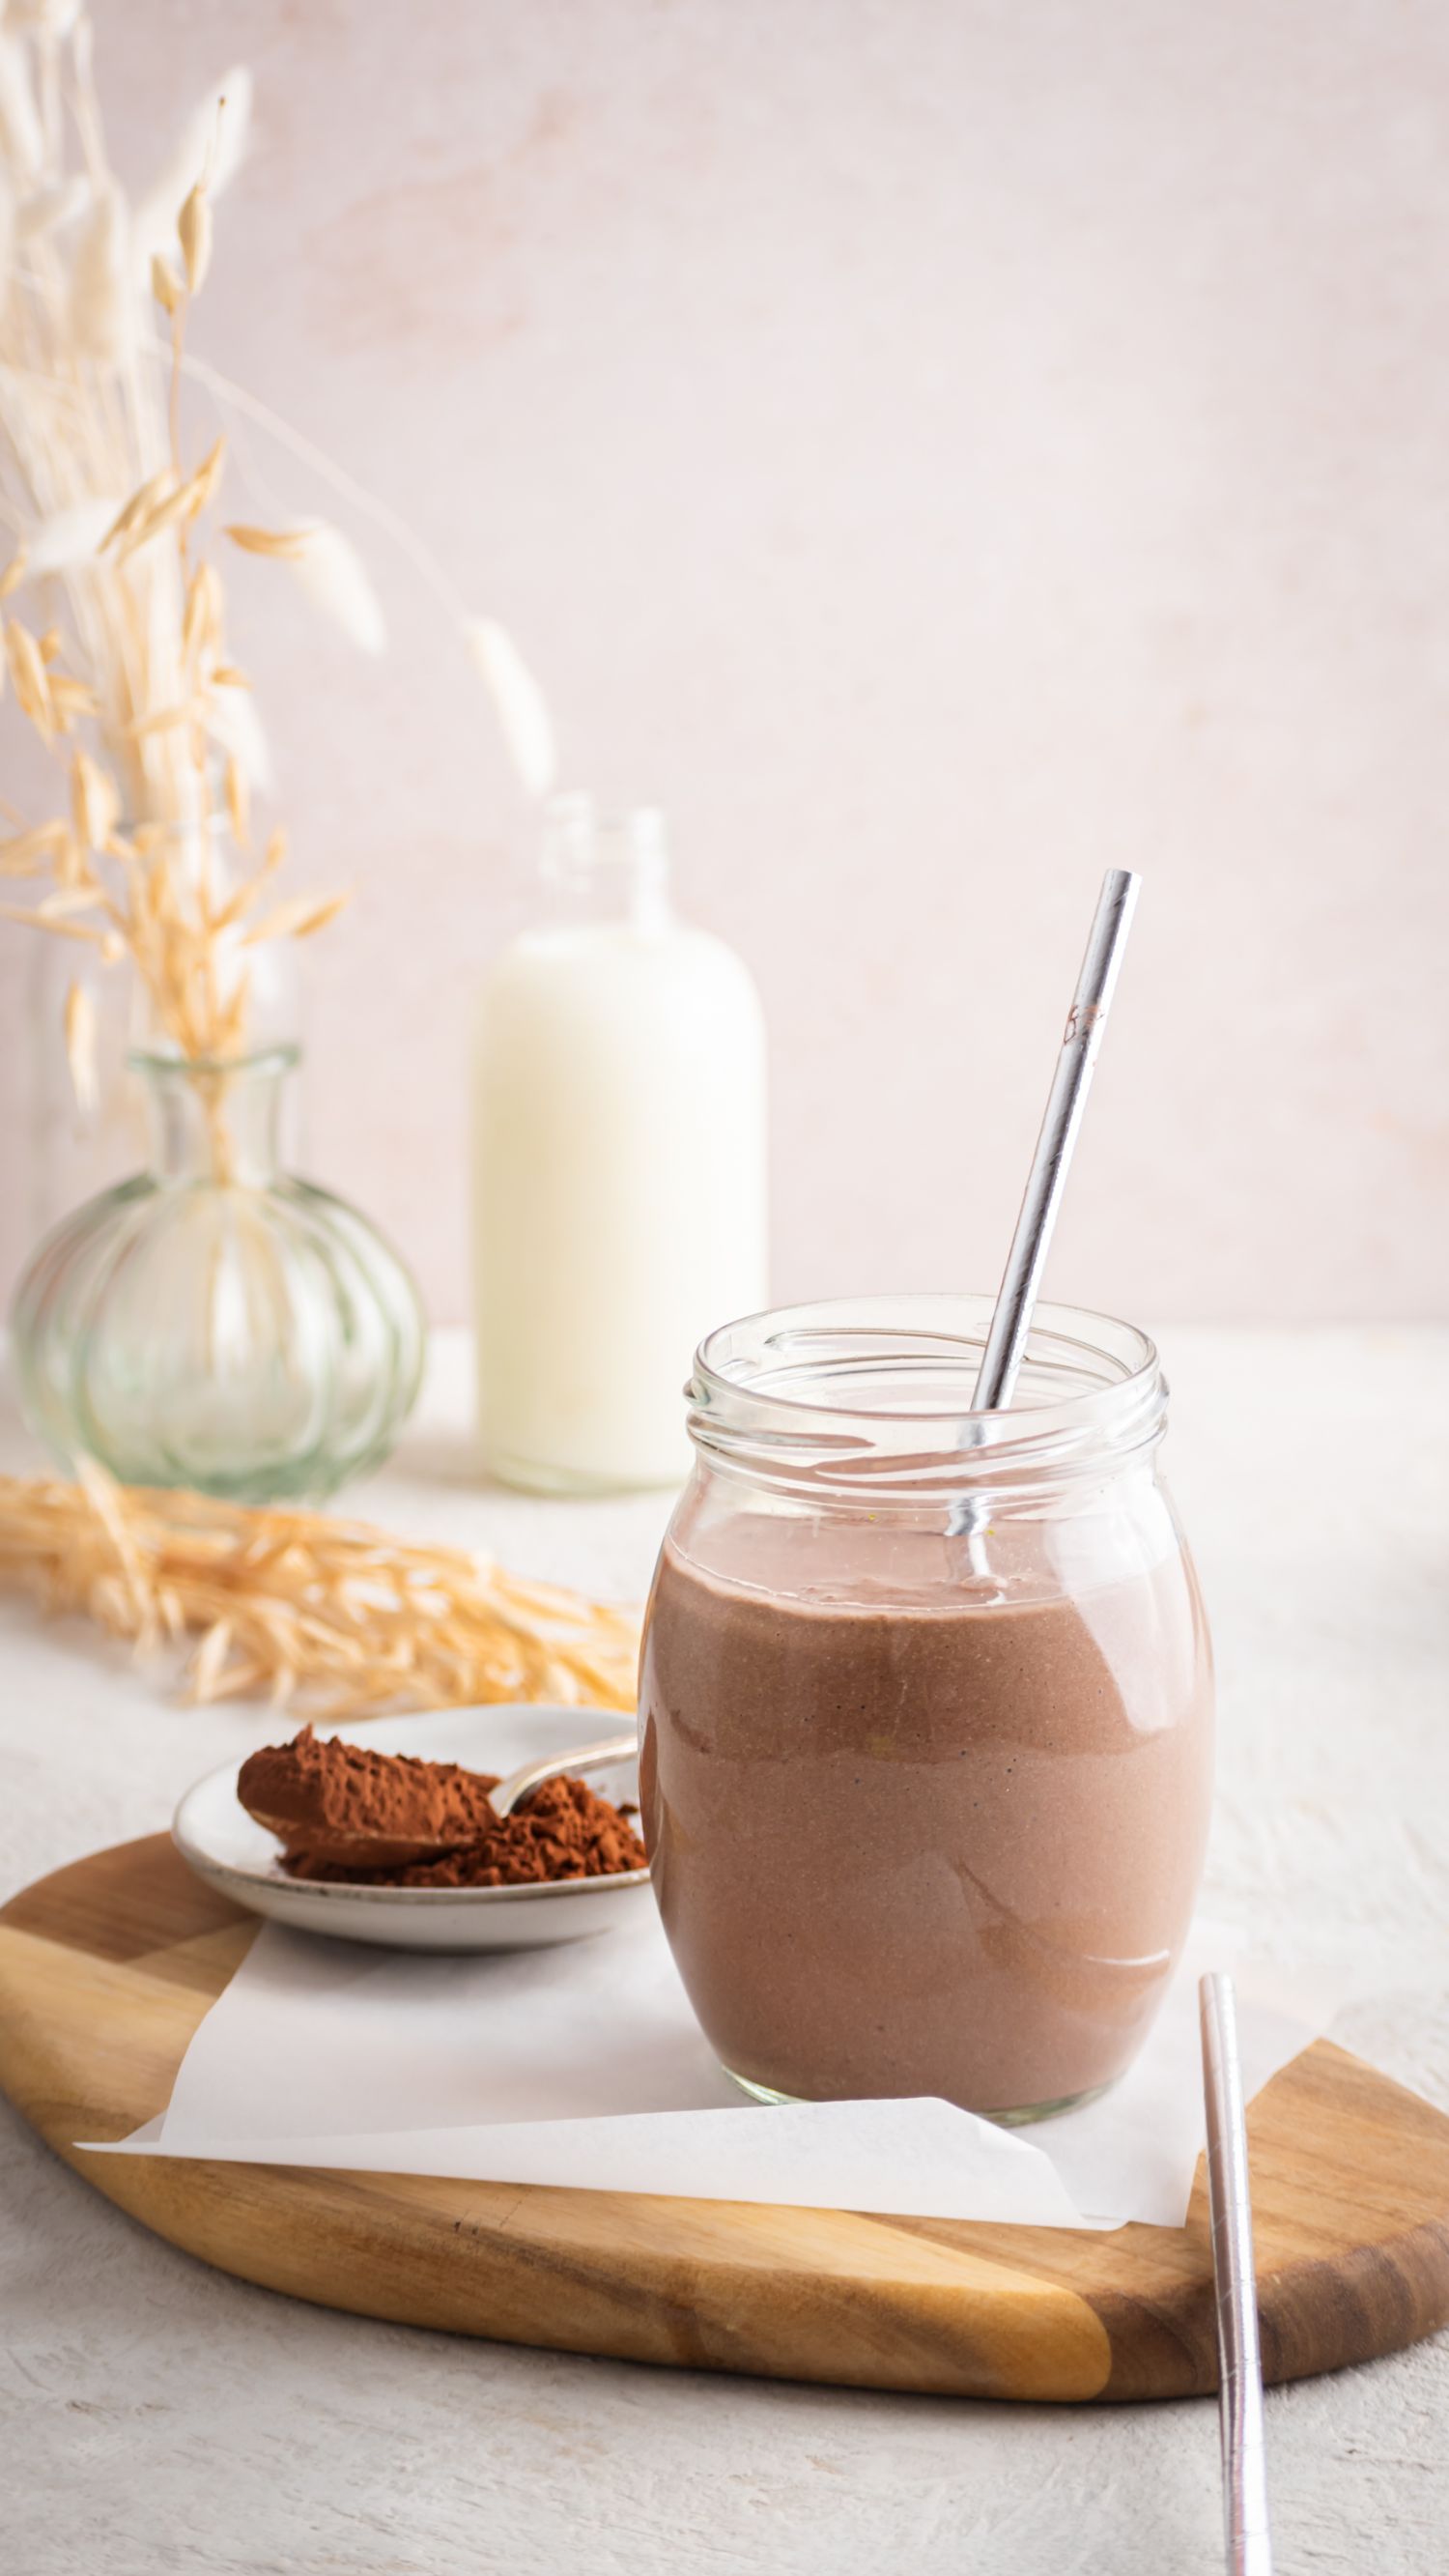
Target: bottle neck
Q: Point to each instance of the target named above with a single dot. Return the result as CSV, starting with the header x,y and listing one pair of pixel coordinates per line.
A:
x,y
604,870
214,1123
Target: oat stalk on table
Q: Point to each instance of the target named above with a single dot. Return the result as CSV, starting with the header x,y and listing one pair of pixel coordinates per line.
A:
x,y
329,1617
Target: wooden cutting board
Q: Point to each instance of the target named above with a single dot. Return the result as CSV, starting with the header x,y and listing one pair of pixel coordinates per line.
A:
x,y
107,1967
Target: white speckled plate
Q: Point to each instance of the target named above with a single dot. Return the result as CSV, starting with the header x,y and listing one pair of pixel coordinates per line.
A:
x,y
224,1845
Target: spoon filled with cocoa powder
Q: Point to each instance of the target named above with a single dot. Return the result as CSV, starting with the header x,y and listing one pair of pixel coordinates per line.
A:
x,y
346,1814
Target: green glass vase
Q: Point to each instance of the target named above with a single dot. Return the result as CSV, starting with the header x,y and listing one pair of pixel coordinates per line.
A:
x,y
214,1322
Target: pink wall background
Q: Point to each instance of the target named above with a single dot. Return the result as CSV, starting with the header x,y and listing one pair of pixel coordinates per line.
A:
x,y
936,451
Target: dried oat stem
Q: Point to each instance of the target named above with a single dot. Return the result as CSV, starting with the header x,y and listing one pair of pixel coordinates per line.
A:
x,y
92,470
330,1617
110,520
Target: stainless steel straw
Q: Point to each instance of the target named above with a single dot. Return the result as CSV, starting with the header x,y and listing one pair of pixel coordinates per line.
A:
x,y
1016,1298
1240,2367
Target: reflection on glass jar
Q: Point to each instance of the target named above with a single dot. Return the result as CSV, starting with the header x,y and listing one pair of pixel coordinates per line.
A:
x,y
214,1322
926,1813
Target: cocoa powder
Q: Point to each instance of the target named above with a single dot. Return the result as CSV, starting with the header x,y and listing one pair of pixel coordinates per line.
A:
x,y
344,1813
332,1797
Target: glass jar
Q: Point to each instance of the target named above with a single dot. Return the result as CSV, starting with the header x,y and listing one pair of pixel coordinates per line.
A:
x,y
214,1322
926,1812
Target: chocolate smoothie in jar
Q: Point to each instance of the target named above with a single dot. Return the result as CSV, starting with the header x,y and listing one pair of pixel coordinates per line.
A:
x,y
926,1811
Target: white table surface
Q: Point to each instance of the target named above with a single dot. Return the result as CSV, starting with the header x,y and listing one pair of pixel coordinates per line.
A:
x,y
156,2416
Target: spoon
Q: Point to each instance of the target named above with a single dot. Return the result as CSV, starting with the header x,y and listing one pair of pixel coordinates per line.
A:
x,y
1005,1343
590,1757
366,1847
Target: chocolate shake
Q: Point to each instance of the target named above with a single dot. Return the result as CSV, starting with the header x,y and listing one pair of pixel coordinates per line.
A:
x,y
917,1834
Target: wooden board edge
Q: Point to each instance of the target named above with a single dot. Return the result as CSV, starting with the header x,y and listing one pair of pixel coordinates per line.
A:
x,y
1376,2299
675,2312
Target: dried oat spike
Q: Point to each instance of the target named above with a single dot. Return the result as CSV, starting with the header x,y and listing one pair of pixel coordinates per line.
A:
x,y
195,494
28,852
142,501
201,621
32,680
166,285
80,1046
238,805
288,544
299,917
193,224
95,802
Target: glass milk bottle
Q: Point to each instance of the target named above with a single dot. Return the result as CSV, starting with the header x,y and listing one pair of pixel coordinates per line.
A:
x,y
618,1164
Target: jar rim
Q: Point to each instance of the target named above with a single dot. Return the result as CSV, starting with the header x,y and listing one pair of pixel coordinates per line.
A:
x,y
776,1398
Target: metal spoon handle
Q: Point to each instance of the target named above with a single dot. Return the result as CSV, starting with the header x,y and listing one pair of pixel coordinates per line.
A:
x,y
589,1757
1011,1321
1240,2368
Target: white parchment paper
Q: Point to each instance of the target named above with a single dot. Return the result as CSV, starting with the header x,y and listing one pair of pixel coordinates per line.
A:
x,y
585,2066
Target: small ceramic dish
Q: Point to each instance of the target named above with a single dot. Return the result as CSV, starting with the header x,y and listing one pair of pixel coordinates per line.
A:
x,y
224,1845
